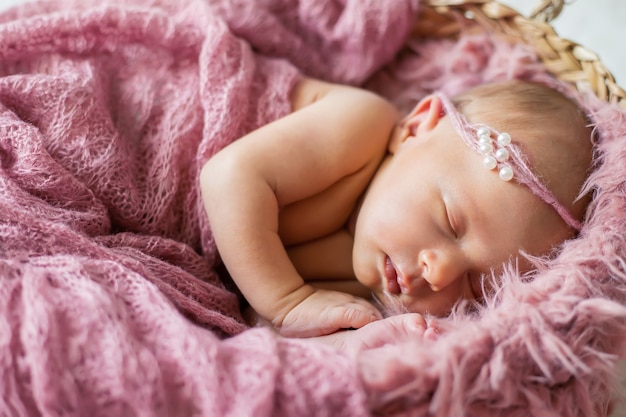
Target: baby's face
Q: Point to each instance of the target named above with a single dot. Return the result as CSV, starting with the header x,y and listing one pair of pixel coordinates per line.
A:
x,y
435,219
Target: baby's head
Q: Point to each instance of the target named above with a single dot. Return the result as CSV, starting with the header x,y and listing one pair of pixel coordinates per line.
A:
x,y
436,219
550,129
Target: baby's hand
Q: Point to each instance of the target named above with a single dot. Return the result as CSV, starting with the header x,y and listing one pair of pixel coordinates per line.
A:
x,y
325,312
380,333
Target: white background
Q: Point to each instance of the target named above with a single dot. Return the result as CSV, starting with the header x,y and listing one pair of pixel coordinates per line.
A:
x,y
599,25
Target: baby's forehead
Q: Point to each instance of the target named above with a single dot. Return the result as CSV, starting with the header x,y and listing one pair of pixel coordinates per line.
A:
x,y
512,143
558,145
505,217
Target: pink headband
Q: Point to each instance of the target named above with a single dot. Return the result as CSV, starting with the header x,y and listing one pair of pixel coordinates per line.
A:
x,y
500,153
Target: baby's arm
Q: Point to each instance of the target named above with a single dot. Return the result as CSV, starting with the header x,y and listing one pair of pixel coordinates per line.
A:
x,y
245,185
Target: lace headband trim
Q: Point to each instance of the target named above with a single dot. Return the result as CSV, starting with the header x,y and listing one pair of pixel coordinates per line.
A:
x,y
501,154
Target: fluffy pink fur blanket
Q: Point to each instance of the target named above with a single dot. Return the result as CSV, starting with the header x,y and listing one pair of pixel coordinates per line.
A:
x,y
110,303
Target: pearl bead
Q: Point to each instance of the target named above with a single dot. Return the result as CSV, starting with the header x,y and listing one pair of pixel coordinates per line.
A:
x,y
502,155
504,139
484,139
485,148
483,131
506,173
490,162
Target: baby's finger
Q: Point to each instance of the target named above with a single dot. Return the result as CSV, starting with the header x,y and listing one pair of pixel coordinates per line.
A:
x,y
362,303
434,330
431,334
402,325
351,315
390,330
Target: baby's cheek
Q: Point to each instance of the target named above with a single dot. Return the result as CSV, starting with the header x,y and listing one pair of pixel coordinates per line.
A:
x,y
366,274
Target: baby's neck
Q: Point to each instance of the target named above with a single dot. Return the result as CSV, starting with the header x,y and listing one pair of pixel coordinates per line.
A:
x,y
352,219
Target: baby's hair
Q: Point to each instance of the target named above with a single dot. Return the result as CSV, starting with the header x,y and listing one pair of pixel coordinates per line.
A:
x,y
552,129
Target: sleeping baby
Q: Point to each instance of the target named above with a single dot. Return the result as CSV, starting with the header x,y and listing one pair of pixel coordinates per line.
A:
x,y
345,201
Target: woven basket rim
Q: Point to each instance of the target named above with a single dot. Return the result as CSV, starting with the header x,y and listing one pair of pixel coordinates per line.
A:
x,y
565,59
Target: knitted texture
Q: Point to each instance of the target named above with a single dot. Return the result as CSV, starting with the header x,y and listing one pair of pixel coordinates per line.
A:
x,y
109,300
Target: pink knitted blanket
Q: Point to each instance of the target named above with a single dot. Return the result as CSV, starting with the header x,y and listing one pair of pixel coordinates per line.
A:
x,y
109,301
107,112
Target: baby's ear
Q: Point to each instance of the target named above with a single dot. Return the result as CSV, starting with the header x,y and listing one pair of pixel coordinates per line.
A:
x,y
424,116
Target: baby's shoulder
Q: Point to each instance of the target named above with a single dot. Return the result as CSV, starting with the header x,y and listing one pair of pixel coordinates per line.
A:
x,y
348,122
310,90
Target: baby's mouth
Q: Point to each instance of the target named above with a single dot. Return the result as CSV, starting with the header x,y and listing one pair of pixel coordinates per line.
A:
x,y
395,281
391,277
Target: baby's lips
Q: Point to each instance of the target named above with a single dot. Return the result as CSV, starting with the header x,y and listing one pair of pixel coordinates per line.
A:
x,y
408,283
404,283
391,277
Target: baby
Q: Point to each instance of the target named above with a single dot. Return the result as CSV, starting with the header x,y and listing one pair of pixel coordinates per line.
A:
x,y
343,198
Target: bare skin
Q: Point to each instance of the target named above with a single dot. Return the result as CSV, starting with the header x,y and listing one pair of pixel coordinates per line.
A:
x,y
292,187
343,197
380,333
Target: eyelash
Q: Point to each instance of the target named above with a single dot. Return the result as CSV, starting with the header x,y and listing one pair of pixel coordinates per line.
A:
x,y
450,226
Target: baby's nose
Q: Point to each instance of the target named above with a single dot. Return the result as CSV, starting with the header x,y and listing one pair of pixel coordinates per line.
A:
x,y
440,268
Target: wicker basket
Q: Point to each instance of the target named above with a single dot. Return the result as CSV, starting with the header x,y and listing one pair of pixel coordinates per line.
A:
x,y
565,59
